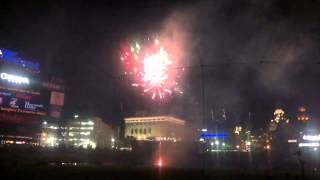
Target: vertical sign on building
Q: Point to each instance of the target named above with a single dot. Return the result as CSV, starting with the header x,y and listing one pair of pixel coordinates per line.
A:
x,y
56,103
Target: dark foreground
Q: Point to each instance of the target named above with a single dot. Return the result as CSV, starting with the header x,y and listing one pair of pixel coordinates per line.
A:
x,y
110,173
38,163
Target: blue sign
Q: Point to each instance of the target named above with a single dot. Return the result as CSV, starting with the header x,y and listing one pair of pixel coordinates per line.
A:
x,y
213,135
10,57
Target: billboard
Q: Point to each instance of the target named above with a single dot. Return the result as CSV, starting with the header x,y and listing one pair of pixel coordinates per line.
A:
x,y
18,102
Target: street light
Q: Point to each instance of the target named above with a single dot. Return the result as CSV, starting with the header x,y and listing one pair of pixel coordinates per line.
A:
x,y
217,142
204,130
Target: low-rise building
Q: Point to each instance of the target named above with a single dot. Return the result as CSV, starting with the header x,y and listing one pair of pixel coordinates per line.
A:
x,y
155,128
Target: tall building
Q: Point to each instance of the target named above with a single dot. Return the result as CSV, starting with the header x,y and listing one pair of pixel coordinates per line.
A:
x,y
302,114
279,131
155,128
89,132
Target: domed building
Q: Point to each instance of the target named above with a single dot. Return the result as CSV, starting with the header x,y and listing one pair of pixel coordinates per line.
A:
x,y
278,116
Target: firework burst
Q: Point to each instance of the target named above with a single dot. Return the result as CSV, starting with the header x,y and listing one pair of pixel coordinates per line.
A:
x,y
152,67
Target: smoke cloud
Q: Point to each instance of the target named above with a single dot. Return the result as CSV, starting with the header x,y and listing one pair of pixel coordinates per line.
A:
x,y
251,51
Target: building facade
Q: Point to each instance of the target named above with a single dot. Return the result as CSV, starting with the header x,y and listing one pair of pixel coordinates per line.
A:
x,y
52,135
155,128
89,133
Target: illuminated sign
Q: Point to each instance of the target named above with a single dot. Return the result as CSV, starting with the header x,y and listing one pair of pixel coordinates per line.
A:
x,y
204,130
57,98
311,137
52,85
23,103
10,57
308,144
32,107
292,141
14,78
209,135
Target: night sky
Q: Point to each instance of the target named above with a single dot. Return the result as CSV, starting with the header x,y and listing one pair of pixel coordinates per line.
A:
x,y
258,55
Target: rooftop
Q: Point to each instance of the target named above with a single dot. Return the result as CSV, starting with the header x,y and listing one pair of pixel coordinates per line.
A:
x,y
150,119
